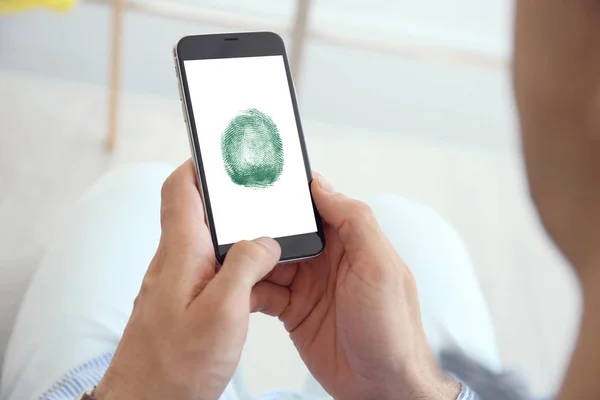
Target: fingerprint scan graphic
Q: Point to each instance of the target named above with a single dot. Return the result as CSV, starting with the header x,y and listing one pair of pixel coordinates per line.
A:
x,y
252,150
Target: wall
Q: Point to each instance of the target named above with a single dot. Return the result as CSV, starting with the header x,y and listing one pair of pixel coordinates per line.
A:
x,y
339,86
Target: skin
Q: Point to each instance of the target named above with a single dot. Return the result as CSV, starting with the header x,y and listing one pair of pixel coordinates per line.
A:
x,y
188,325
353,313
557,87
349,307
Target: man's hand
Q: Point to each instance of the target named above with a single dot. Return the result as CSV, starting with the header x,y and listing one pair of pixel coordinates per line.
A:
x,y
354,314
188,326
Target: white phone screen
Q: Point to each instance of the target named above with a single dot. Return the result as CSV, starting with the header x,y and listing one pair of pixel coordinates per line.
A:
x,y
250,148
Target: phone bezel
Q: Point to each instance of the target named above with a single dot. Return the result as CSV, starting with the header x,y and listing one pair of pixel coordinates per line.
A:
x,y
235,45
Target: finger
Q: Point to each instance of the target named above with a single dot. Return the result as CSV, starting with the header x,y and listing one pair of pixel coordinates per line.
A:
x,y
186,254
246,263
282,275
182,212
269,298
352,219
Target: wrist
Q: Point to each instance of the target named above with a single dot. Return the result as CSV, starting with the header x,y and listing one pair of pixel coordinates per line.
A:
x,y
106,392
437,386
446,387
112,388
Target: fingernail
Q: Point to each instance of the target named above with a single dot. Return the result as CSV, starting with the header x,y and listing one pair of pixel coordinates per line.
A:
x,y
325,185
269,243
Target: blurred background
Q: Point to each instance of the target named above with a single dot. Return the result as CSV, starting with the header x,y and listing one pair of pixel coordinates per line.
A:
x,y
439,129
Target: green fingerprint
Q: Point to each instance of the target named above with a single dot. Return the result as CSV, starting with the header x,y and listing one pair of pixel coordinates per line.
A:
x,y
252,150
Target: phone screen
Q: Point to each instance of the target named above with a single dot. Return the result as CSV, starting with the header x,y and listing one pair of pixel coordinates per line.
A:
x,y
250,148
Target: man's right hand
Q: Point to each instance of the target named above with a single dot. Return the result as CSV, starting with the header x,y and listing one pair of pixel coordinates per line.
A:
x,y
354,313
185,336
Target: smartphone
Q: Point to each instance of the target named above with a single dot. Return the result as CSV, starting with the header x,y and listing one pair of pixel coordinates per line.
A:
x,y
246,139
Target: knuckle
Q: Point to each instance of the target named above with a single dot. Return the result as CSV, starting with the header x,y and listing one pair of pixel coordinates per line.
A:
x,y
166,204
167,187
148,284
136,300
410,283
362,210
164,190
145,288
410,280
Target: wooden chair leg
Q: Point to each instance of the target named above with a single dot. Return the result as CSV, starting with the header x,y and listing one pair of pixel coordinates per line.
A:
x,y
299,37
115,73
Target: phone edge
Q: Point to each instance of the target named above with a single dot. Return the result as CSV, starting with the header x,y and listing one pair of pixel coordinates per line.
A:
x,y
185,112
186,118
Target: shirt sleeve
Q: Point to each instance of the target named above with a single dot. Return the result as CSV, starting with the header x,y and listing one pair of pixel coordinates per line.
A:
x,y
467,394
78,379
90,374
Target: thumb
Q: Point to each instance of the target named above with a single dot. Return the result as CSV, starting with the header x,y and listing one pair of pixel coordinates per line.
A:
x,y
246,263
353,220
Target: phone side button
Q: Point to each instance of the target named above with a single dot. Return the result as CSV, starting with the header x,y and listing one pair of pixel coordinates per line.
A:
x,y
184,113
180,92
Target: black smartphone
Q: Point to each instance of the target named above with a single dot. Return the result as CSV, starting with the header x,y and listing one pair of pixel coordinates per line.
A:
x,y
247,144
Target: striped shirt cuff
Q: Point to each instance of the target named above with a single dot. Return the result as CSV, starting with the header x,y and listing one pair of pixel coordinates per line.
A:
x,y
467,394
